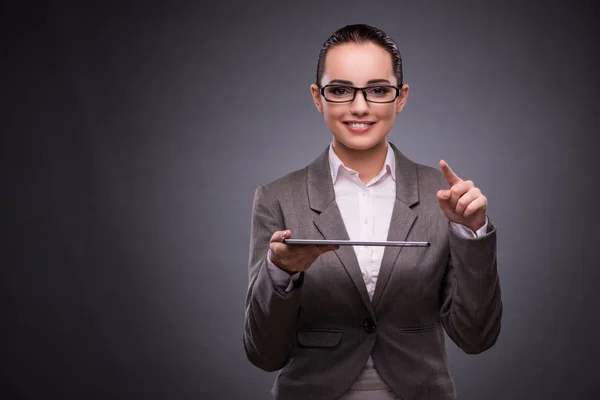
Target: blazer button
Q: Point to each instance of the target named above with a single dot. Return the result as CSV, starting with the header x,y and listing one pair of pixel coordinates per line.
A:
x,y
369,325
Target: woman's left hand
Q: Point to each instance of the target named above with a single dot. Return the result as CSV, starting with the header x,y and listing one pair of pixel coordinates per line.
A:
x,y
463,203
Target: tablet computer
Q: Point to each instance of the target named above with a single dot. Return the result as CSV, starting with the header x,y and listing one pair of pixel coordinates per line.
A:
x,y
354,242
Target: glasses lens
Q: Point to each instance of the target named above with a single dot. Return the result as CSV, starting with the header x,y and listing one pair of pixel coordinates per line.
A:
x,y
381,93
338,93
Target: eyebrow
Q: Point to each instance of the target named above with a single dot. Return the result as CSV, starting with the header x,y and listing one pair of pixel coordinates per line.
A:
x,y
343,82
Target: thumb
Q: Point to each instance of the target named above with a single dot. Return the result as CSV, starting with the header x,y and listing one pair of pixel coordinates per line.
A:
x,y
444,199
443,195
278,236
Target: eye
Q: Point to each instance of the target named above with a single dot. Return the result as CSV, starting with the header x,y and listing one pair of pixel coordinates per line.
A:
x,y
339,90
379,90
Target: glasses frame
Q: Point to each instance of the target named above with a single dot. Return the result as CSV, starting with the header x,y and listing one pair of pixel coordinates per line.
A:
x,y
364,92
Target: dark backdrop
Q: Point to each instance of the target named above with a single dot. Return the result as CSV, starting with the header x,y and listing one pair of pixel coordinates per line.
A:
x,y
134,136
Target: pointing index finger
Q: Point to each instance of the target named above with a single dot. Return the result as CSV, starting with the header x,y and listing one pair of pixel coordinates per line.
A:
x,y
449,175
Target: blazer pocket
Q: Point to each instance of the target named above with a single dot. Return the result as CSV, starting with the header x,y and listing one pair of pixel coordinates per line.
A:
x,y
417,329
318,337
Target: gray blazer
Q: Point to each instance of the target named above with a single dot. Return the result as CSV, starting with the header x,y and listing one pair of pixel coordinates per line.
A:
x,y
321,335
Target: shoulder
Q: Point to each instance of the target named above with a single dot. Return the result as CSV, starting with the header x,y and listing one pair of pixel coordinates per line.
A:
x,y
286,183
295,183
272,195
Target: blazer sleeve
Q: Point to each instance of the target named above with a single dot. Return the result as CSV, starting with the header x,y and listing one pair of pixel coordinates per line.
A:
x,y
271,315
471,303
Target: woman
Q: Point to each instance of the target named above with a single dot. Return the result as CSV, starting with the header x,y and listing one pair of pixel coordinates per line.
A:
x,y
368,322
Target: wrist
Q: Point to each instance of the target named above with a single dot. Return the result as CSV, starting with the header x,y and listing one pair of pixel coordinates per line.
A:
x,y
475,227
278,264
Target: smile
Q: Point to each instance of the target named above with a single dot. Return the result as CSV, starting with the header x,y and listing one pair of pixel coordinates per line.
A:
x,y
359,126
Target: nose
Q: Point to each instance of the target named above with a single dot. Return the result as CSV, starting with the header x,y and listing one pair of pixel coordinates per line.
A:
x,y
360,105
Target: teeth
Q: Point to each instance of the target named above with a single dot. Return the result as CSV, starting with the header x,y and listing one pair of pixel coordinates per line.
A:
x,y
359,126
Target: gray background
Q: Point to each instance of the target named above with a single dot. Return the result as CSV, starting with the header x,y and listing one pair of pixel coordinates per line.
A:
x,y
137,135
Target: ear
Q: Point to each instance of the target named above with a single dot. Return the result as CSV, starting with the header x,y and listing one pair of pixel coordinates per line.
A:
x,y
316,95
402,97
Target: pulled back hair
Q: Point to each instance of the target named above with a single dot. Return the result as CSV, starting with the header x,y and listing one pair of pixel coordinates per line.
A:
x,y
361,33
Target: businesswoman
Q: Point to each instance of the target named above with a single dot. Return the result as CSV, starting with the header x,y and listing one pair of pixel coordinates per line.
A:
x,y
356,322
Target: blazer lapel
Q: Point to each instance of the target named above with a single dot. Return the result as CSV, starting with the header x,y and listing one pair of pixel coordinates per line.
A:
x,y
403,218
329,222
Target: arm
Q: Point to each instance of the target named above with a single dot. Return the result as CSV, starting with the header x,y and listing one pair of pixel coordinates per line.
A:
x,y
471,308
271,314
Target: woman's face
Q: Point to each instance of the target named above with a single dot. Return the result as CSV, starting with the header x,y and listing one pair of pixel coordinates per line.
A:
x,y
359,125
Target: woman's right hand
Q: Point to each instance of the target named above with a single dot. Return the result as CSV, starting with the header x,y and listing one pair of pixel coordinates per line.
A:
x,y
291,258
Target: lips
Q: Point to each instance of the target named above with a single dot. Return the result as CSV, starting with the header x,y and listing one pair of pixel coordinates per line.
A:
x,y
358,123
359,126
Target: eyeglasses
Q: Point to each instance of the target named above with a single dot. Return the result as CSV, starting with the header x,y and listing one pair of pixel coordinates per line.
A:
x,y
346,94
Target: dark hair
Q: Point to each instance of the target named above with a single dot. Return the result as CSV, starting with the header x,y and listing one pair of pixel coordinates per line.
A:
x,y
361,33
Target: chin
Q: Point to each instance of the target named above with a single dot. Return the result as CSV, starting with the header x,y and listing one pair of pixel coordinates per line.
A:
x,y
360,143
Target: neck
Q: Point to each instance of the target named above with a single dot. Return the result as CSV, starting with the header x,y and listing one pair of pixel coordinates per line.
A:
x,y
368,163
